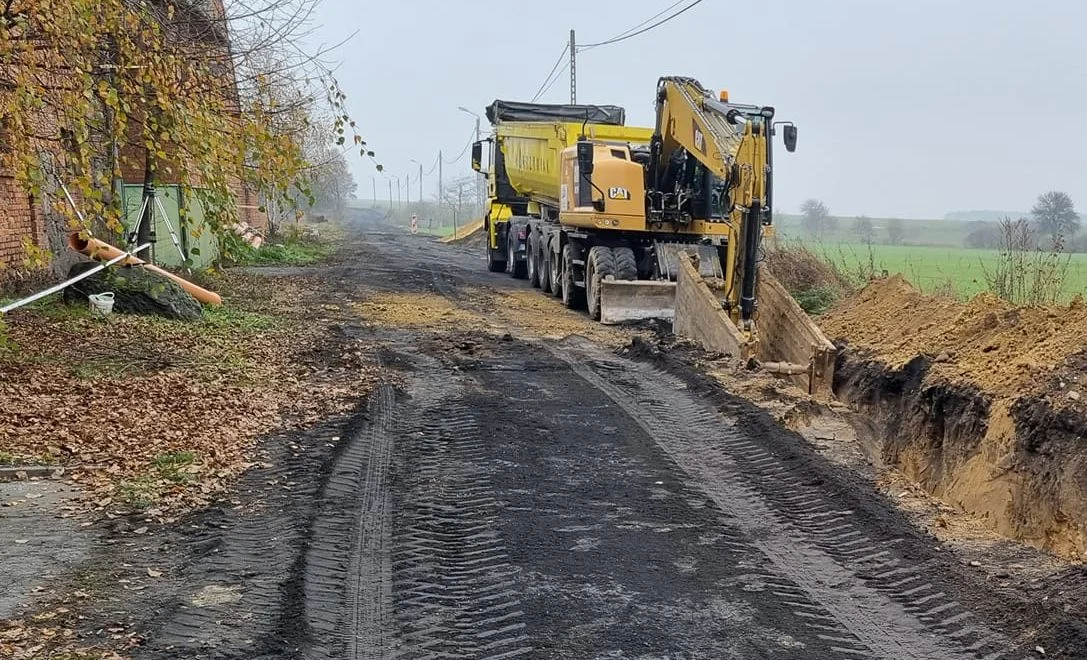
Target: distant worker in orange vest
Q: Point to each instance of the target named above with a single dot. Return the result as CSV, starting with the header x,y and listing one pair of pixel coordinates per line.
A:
x,y
414,224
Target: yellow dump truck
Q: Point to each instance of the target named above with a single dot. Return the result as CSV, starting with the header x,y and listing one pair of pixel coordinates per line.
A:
x,y
595,212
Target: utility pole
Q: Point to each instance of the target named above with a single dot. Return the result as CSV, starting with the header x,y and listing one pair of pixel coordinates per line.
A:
x,y
407,189
420,184
573,69
439,184
479,177
390,195
399,202
373,180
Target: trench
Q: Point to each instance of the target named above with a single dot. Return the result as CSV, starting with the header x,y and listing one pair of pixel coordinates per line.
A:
x,y
1019,464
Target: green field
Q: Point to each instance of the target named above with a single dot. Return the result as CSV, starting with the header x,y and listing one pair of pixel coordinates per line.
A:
x,y
937,269
949,233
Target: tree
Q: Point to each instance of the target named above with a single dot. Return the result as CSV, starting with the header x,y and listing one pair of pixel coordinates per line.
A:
x,y
1056,216
830,225
329,180
459,198
185,92
895,231
862,228
815,215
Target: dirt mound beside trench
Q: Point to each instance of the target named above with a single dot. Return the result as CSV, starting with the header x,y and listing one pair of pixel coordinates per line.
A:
x,y
981,402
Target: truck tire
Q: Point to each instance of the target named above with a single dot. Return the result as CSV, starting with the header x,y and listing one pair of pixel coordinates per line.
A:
x,y
573,296
626,265
555,267
545,268
532,254
494,264
517,269
599,265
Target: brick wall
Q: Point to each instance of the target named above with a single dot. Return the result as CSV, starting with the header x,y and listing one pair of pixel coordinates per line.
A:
x,y
18,219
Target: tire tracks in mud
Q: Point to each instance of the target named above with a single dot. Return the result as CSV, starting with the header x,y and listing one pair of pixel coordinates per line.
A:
x,y
346,573
889,604
456,587
846,587
406,560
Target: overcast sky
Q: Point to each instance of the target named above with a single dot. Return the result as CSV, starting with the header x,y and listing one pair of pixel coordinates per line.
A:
x,y
905,108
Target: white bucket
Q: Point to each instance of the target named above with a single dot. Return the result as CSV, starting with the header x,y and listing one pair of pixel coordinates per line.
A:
x,y
101,304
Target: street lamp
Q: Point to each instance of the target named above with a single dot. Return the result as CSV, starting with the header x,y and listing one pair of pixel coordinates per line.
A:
x,y
479,189
464,109
420,179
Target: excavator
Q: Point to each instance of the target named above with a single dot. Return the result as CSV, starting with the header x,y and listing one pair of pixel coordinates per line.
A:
x,y
597,213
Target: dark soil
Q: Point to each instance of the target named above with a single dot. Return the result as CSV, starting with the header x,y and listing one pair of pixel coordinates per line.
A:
x,y
511,497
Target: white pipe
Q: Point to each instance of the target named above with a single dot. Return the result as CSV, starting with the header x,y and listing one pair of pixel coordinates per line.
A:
x,y
67,283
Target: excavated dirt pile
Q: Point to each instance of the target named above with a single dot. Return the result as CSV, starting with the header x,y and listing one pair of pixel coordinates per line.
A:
x,y
983,403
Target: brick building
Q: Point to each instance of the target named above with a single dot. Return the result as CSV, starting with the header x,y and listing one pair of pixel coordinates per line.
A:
x,y
25,220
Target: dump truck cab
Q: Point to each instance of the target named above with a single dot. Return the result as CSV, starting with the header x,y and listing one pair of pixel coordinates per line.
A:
x,y
503,203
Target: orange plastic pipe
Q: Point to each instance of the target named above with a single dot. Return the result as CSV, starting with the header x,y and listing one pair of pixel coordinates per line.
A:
x,y
96,249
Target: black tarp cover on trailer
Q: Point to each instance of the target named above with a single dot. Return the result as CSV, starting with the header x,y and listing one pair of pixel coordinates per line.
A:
x,y
520,111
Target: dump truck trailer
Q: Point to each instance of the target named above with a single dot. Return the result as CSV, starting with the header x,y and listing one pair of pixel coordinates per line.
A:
x,y
596,212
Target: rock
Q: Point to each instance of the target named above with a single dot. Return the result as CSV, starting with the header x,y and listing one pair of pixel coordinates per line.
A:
x,y
1074,395
943,357
136,291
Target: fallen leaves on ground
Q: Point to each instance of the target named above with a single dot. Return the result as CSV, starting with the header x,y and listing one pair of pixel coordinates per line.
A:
x,y
168,413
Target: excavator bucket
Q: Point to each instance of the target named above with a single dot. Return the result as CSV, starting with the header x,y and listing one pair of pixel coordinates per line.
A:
x,y
623,301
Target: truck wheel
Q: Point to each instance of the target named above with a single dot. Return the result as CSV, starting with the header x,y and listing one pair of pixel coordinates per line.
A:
x,y
601,264
544,261
626,266
572,295
494,264
532,254
555,266
516,268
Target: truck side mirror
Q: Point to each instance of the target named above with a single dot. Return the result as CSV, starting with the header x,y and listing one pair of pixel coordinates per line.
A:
x,y
790,137
477,156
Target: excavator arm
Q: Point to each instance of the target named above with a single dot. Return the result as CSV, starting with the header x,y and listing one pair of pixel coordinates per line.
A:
x,y
711,160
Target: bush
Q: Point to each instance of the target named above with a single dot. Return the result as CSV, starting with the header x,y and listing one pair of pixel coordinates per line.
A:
x,y
294,249
800,269
814,281
1027,273
817,300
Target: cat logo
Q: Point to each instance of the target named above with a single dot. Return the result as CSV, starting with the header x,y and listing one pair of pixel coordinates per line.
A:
x,y
618,192
699,138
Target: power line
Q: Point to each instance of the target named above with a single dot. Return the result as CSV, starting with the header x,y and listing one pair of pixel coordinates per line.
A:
x,y
623,36
555,80
471,140
540,91
651,18
433,167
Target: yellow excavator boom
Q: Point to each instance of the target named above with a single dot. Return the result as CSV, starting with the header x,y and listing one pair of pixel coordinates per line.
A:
x,y
731,145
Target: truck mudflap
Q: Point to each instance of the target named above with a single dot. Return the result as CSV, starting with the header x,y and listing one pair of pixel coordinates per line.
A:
x,y
624,301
